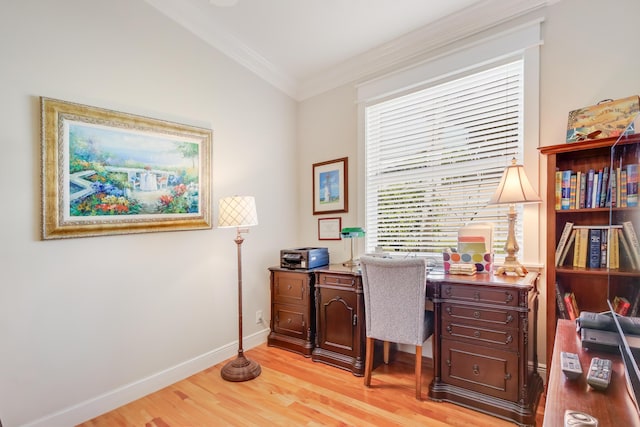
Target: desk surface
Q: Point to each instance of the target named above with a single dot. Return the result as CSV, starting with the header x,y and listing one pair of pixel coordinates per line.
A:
x,y
612,407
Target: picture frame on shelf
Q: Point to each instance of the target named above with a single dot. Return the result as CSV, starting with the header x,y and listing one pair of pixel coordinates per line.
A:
x,y
330,186
106,172
329,228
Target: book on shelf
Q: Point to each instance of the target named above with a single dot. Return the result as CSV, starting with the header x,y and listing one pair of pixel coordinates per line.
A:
x,y
573,190
564,237
624,245
613,249
580,249
604,185
604,247
562,311
588,200
632,240
623,188
582,189
571,305
558,190
621,305
612,191
565,200
565,251
594,190
595,246
632,184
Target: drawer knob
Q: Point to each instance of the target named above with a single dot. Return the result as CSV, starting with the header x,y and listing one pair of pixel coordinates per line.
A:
x,y
448,310
289,321
476,314
509,318
476,334
447,290
507,376
508,297
476,296
509,339
449,329
289,287
476,369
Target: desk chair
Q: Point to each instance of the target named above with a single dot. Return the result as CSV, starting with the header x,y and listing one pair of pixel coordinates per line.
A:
x,y
394,299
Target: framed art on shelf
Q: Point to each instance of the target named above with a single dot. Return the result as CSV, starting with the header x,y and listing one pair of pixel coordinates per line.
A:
x,y
330,186
106,172
329,228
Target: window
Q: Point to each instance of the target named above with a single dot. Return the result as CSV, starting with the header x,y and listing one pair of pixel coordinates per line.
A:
x,y
434,157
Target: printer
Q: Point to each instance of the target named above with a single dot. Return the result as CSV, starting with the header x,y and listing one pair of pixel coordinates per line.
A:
x,y
304,258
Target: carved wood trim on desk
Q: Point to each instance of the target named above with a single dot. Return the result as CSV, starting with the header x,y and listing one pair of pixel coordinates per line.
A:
x,y
612,407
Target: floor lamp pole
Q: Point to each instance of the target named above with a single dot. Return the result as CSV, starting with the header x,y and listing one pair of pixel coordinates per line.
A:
x,y
241,368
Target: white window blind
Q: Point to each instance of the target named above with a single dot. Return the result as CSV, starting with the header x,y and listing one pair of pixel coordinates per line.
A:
x,y
435,156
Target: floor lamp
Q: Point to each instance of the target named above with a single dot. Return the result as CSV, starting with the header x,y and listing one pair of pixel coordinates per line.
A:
x,y
514,188
239,212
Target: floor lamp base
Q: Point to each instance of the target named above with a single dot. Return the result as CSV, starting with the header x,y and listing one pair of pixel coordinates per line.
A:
x,y
240,369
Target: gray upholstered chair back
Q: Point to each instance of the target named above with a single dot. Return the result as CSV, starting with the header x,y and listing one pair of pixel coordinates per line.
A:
x,y
394,300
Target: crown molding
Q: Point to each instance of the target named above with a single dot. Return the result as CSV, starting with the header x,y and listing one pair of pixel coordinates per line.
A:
x,y
415,46
400,52
193,19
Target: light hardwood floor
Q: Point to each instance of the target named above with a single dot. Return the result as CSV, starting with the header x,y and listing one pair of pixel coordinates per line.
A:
x,y
295,391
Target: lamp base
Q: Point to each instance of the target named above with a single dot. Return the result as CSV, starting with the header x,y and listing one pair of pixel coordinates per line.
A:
x,y
240,369
512,266
351,263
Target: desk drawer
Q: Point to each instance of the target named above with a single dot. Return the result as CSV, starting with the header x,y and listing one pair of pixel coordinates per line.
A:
x,y
506,339
291,288
484,370
291,321
349,282
481,294
482,317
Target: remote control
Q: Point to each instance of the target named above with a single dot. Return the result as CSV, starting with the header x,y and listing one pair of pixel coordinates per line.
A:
x,y
570,365
599,375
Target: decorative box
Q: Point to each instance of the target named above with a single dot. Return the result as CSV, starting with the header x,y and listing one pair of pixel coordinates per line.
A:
x,y
606,119
483,262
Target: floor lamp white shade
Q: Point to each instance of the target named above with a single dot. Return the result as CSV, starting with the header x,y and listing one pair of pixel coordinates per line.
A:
x,y
240,212
237,211
514,187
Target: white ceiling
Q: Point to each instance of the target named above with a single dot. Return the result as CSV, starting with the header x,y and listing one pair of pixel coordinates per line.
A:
x,y
304,47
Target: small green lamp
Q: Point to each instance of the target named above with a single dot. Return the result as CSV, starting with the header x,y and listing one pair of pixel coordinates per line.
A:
x,y
351,233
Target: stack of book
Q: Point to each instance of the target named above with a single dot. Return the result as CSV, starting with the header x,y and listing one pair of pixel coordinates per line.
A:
x,y
606,187
599,246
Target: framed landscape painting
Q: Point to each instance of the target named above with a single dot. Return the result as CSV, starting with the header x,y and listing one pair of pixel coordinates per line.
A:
x,y
106,172
330,186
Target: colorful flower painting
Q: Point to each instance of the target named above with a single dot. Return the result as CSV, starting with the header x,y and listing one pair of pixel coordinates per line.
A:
x,y
115,173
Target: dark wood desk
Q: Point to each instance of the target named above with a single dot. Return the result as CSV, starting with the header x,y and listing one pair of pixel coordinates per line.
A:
x,y
612,407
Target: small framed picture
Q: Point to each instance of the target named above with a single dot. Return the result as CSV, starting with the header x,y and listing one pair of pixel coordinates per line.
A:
x,y
329,228
330,186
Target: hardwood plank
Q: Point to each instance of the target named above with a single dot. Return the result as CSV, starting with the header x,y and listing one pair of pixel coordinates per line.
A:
x,y
295,391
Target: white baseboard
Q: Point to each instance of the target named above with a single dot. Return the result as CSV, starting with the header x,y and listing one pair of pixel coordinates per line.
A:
x,y
113,399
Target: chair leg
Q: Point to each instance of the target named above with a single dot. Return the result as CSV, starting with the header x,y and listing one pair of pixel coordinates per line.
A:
x,y
368,361
386,347
419,372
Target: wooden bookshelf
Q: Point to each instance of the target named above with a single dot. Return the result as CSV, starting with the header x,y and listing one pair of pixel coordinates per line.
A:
x,y
591,286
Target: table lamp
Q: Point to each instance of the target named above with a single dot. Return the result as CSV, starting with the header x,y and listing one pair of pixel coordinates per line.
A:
x,y
239,212
351,233
514,188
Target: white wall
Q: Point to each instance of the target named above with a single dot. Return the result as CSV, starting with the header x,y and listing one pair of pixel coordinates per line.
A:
x,y
87,324
589,54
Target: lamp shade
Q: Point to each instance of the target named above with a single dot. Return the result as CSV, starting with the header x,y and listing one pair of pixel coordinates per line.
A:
x,y
351,232
237,211
514,187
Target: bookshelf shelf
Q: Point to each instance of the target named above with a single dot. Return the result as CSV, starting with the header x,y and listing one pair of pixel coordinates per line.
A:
x,y
591,287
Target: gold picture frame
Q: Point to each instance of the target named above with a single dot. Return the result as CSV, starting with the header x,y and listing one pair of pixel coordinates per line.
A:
x,y
106,172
